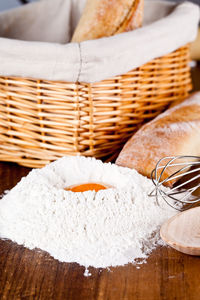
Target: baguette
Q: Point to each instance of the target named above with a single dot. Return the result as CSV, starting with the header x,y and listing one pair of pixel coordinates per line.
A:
x,y
103,18
174,132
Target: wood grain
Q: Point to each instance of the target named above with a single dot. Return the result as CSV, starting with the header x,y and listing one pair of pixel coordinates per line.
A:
x,y
26,274
182,232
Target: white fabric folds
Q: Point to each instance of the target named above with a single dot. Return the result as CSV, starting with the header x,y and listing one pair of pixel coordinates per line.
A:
x,y
34,41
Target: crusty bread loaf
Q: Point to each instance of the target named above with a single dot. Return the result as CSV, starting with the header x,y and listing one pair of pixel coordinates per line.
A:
x,y
174,132
102,18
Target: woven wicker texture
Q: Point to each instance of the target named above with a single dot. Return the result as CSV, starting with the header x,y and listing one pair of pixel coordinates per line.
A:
x,y
41,120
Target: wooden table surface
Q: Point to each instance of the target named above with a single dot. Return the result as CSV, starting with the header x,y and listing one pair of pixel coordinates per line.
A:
x,y
26,274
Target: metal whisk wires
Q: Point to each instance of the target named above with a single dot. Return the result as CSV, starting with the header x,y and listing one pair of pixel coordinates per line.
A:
x,y
185,170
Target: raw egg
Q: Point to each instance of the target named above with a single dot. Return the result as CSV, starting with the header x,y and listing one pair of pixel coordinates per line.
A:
x,y
87,187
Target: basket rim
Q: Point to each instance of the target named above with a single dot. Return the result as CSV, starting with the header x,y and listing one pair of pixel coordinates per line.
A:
x,y
96,60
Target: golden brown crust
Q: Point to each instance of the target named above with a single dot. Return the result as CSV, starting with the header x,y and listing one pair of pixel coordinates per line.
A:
x,y
102,18
175,132
134,18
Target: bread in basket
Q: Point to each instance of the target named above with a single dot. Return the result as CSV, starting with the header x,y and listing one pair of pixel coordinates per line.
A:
x,y
59,98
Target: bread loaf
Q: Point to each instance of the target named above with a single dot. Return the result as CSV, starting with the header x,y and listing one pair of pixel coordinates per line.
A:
x,y
102,18
174,132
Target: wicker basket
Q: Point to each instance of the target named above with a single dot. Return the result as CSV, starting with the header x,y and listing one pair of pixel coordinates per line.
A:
x,y
41,120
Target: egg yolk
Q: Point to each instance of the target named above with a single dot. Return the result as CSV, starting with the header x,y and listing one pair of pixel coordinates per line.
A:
x,y
87,187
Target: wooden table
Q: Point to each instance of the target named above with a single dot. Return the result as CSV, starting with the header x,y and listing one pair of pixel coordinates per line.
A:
x,y
26,274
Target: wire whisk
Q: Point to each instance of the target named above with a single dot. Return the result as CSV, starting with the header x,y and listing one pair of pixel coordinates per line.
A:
x,y
182,173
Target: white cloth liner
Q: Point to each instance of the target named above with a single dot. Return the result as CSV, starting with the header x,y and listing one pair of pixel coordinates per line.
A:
x,y
35,41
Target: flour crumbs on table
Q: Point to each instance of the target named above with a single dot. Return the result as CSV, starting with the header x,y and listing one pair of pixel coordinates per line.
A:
x,y
110,227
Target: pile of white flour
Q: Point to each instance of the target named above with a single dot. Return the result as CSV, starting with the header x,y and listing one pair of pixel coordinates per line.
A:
x,y
109,228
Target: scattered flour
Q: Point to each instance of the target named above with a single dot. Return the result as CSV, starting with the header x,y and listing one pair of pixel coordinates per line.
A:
x,y
87,273
109,228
